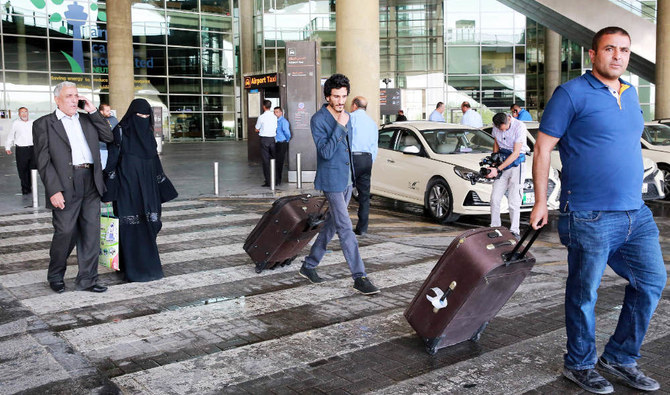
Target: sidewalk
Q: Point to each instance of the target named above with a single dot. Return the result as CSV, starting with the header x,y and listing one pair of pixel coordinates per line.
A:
x,y
190,166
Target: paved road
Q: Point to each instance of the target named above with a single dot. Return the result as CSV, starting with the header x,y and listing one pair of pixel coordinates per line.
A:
x,y
213,325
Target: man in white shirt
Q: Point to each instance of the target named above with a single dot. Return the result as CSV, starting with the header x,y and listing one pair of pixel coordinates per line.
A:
x,y
470,116
21,136
266,127
510,139
68,159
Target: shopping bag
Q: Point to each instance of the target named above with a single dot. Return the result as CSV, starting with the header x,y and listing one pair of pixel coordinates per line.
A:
x,y
109,241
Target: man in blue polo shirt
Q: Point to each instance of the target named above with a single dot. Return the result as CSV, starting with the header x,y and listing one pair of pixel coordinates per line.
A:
x,y
597,123
281,143
520,113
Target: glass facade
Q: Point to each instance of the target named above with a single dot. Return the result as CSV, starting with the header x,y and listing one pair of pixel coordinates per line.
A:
x,y
183,56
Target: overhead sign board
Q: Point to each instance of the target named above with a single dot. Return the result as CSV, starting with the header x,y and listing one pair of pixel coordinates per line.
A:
x,y
260,81
389,101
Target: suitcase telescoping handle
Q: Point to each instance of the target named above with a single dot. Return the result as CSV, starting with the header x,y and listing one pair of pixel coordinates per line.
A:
x,y
514,255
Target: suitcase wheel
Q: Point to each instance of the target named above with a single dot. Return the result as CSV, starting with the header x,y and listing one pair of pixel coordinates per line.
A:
x,y
431,345
260,266
289,260
478,333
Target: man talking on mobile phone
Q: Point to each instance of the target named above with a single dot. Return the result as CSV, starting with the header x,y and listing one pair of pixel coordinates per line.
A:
x,y
68,160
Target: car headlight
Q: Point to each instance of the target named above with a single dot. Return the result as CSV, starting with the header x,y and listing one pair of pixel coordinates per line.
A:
x,y
470,175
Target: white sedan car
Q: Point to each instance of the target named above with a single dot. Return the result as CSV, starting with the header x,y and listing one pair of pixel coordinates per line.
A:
x,y
436,165
656,145
656,161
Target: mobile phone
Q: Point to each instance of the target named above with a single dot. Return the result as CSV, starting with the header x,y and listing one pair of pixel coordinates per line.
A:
x,y
81,104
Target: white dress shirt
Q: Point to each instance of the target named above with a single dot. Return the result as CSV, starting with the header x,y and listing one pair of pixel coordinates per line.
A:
x,y
81,152
267,124
21,134
472,118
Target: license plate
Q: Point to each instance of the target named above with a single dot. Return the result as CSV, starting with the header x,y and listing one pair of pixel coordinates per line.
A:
x,y
645,188
528,198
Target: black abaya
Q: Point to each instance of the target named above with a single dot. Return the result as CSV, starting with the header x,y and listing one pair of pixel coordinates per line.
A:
x,y
135,180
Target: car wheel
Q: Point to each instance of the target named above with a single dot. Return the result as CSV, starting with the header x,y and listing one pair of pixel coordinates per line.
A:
x,y
665,169
438,201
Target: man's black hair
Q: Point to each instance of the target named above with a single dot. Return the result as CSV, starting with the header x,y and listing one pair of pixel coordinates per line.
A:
x,y
336,81
499,119
607,30
514,105
465,104
438,105
267,104
279,108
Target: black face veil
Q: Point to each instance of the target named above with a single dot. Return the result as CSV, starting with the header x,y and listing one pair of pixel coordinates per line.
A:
x,y
138,132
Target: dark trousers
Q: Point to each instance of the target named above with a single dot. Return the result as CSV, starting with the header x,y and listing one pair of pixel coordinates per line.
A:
x,y
78,224
363,170
267,153
25,161
280,155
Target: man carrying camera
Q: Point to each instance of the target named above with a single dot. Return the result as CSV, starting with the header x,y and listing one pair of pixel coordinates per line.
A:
x,y
510,138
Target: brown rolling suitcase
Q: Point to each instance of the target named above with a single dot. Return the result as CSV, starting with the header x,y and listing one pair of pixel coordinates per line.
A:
x,y
285,229
476,275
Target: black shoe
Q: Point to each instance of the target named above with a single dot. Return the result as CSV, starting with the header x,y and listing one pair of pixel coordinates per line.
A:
x,y
631,376
57,286
590,380
364,286
310,274
265,185
96,288
358,232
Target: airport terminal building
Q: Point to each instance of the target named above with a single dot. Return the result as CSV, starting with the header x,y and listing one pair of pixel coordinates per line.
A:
x,y
190,57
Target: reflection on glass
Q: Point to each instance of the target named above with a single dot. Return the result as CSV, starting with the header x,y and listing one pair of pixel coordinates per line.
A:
x,y
26,53
184,5
184,61
184,103
184,85
217,23
38,102
217,86
185,126
221,7
463,60
149,60
497,60
20,80
183,20
185,38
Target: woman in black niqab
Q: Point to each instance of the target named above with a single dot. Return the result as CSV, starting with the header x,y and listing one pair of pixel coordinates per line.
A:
x,y
137,185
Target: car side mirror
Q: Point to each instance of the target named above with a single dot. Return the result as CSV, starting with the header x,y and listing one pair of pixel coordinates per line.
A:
x,y
411,150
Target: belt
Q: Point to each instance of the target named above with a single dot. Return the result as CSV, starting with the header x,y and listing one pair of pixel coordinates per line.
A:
x,y
361,153
83,166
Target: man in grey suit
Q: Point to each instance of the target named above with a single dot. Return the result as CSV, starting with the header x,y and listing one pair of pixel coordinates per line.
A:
x,y
68,159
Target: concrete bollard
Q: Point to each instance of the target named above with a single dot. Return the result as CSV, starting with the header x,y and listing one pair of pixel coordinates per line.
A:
x,y
33,181
272,174
298,171
216,178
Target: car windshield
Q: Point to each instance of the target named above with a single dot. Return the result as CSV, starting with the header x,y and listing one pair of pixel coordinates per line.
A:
x,y
453,141
657,134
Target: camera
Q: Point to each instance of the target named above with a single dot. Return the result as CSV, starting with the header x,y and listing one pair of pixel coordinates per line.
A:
x,y
493,160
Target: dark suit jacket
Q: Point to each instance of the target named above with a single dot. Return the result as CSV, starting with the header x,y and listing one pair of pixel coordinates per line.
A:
x,y
54,154
334,164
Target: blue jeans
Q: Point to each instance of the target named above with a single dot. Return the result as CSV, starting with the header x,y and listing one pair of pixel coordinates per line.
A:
x,y
627,241
338,221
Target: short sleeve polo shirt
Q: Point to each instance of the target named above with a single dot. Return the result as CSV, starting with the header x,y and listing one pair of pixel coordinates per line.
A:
x,y
599,144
